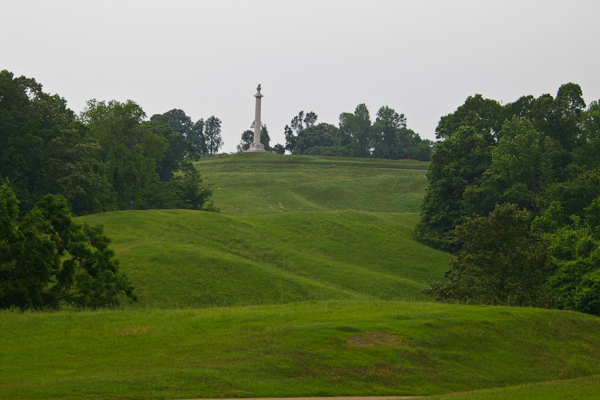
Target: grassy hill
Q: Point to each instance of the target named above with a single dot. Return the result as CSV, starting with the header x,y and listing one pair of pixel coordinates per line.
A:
x,y
300,349
318,263
188,258
291,229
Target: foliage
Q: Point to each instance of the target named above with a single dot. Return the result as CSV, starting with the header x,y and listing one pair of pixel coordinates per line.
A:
x,y
356,130
502,262
48,259
109,156
212,135
299,122
544,160
522,165
45,150
356,136
456,163
321,135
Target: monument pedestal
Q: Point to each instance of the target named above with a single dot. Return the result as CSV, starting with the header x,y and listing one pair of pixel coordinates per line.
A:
x,y
256,148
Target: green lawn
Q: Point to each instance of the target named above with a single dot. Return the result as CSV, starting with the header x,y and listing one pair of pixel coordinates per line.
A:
x,y
291,229
188,258
306,284
302,349
587,388
253,183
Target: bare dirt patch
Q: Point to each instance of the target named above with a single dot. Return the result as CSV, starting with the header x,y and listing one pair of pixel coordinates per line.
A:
x,y
132,331
376,339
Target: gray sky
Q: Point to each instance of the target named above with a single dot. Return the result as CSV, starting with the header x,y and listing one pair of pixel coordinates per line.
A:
x,y
422,58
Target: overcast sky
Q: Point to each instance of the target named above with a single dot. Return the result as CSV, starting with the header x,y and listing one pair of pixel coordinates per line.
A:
x,y
422,58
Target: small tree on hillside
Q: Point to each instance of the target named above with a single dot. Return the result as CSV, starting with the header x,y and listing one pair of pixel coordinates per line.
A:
x,y
501,262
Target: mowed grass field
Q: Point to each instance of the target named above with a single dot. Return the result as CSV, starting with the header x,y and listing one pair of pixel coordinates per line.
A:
x,y
307,283
331,348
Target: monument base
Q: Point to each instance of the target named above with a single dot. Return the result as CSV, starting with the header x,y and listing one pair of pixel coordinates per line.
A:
x,y
256,148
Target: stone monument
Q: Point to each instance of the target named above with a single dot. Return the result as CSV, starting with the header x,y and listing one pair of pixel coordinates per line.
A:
x,y
257,146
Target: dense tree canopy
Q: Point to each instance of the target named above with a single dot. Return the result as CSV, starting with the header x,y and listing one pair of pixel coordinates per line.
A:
x,y
357,136
540,155
105,158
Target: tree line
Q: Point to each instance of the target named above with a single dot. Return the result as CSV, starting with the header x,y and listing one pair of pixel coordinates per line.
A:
x,y
355,136
103,159
514,191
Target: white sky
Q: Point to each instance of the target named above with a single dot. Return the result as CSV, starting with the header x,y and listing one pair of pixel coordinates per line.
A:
x,y
422,58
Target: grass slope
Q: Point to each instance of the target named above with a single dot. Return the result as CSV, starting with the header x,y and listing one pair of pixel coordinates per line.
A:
x,y
291,229
189,258
301,349
587,388
254,183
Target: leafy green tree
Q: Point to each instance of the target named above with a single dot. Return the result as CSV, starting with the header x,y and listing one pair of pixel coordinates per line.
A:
x,y
212,135
48,259
393,140
299,122
176,120
279,149
484,115
586,153
576,281
356,129
457,162
502,262
387,131
45,150
321,135
522,164
197,138
574,194
132,149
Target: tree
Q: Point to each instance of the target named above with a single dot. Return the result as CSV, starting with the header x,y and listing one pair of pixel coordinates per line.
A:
x,y
176,120
457,162
357,128
197,138
386,133
212,135
484,115
393,140
132,148
46,150
502,262
48,260
299,122
321,135
523,163
279,149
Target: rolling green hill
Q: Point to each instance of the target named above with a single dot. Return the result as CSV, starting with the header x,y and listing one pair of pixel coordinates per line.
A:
x,y
291,229
306,284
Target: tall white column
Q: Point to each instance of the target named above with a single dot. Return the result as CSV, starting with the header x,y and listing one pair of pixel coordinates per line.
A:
x,y
257,146
257,116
